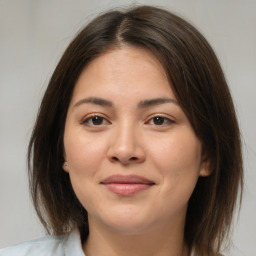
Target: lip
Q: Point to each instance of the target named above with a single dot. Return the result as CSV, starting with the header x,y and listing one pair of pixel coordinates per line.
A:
x,y
127,185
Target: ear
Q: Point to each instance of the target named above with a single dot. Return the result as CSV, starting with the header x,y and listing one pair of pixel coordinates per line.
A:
x,y
65,166
205,168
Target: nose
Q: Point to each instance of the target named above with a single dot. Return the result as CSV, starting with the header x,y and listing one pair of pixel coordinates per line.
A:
x,y
126,146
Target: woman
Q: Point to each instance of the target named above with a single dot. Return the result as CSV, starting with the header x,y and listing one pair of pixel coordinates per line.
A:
x,y
136,149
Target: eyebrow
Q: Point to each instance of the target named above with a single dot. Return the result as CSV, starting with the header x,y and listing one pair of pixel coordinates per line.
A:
x,y
96,101
156,101
142,104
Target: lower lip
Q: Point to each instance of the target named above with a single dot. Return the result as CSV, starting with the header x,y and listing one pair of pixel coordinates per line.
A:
x,y
127,189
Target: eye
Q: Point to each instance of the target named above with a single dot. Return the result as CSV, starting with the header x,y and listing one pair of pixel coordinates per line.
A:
x,y
160,120
95,120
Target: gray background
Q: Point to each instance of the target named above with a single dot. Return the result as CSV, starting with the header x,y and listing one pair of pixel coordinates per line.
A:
x,y
33,35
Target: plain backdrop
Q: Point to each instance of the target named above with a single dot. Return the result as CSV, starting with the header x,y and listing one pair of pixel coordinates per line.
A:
x,y
34,34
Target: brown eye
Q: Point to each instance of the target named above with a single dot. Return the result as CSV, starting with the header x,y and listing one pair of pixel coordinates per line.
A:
x,y
160,120
97,120
94,121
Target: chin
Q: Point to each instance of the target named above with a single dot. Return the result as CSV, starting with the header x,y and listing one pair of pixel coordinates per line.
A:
x,y
127,221
129,227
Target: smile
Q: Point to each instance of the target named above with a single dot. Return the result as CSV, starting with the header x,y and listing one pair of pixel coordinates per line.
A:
x,y
127,185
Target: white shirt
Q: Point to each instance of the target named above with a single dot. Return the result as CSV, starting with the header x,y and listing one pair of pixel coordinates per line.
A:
x,y
66,245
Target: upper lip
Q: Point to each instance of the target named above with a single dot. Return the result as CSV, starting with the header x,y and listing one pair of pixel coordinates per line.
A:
x,y
127,179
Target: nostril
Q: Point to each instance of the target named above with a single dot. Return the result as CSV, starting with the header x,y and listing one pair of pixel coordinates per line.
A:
x,y
114,158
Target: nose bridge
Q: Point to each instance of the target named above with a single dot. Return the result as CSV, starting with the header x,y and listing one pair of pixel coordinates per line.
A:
x,y
125,140
127,145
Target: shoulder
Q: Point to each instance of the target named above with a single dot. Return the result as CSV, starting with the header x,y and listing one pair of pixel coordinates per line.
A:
x,y
49,245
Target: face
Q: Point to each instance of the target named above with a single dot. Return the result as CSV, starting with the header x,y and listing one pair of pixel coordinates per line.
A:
x,y
131,153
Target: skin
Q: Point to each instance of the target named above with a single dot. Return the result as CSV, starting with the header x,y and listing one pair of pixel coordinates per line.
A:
x,y
131,135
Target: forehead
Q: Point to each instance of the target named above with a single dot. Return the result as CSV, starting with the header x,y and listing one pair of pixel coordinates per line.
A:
x,y
123,71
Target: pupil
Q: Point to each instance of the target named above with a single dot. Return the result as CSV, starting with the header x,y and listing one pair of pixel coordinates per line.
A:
x,y
158,120
97,120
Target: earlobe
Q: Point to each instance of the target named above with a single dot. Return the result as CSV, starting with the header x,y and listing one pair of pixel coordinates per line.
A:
x,y
205,168
65,167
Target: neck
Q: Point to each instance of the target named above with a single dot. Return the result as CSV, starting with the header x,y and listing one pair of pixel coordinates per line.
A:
x,y
160,242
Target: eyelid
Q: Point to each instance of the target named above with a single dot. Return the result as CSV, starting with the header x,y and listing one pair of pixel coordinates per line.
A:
x,y
87,118
170,120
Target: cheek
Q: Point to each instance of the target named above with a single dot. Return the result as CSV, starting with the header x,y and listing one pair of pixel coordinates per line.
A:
x,y
83,153
178,159
84,156
179,152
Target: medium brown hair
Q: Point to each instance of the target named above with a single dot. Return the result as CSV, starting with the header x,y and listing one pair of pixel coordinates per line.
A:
x,y
199,85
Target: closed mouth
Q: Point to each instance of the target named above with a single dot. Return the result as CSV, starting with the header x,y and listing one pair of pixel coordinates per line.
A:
x,y
127,179
127,185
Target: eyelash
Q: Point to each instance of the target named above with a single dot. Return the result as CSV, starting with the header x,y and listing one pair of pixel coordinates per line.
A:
x,y
163,120
103,121
90,119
